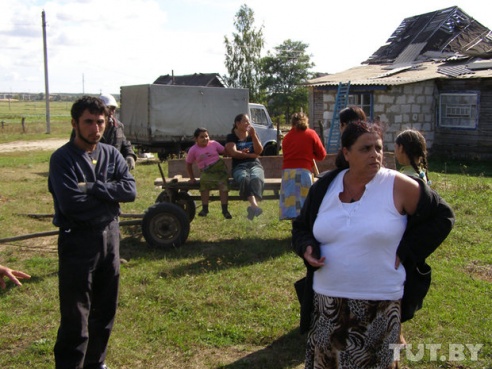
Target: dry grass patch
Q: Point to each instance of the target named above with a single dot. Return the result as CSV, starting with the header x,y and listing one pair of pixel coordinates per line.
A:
x,y
480,270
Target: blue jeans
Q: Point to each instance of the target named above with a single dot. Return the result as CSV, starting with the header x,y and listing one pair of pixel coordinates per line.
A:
x,y
251,179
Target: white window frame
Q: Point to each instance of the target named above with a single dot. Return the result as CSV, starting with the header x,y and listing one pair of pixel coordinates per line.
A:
x,y
459,110
361,99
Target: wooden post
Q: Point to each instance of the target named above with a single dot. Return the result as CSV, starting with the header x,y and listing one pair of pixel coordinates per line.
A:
x,y
46,80
279,135
23,124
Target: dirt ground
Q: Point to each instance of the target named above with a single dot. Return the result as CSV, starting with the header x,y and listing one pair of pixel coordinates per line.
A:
x,y
50,144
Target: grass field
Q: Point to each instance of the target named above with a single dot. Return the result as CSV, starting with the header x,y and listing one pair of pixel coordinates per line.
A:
x,y
35,126
225,299
35,122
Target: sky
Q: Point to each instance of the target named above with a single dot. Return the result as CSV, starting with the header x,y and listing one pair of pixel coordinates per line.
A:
x,y
96,46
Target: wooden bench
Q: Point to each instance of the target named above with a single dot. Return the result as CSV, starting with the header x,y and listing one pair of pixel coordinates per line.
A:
x,y
178,179
166,223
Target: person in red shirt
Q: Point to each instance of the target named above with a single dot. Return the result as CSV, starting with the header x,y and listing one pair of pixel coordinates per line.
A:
x,y
300,147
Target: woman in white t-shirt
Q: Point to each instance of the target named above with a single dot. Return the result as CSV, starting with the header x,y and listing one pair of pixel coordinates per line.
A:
x,y
349,234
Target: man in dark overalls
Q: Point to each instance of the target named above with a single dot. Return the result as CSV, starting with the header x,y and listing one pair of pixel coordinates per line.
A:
x,y
88,180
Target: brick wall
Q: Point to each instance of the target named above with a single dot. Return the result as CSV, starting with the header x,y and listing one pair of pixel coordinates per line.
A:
x,y
410,106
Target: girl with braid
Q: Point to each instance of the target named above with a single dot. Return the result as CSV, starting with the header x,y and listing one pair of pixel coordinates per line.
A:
x,y
411,153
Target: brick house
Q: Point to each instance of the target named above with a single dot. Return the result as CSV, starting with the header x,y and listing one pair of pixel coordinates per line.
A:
x,y
434,74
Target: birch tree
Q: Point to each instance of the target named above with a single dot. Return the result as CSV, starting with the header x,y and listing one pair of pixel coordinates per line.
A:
x,y
243,53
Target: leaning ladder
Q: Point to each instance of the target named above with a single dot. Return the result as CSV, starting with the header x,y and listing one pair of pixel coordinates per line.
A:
x,y
333,140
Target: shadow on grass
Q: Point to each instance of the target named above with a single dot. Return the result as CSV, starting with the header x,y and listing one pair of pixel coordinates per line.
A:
x,y
461,166
42,174
213,256
286,352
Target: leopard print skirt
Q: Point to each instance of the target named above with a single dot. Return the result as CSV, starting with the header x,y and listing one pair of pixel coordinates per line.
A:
x,y
352,334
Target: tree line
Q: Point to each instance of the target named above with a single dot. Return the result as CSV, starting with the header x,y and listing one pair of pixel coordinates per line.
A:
x,y
276,80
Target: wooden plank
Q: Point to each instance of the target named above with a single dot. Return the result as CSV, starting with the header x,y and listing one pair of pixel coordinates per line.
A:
x,y
179,180
180,183
271,164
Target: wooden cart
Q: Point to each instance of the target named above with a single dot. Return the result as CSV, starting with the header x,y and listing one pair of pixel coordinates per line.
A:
x,y
167,223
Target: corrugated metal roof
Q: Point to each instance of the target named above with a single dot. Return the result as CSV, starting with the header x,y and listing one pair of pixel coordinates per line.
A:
x,y
455,71
480,64
393,72
377,75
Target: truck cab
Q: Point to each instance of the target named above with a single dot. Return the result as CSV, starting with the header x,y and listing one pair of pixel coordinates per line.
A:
x,y
264,127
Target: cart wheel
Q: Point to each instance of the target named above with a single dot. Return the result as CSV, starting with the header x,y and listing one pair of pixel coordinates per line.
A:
x,y
165,225
183,200
270,150
163,197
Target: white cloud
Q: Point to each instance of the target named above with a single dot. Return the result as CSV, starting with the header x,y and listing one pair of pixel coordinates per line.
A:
x,y
100,45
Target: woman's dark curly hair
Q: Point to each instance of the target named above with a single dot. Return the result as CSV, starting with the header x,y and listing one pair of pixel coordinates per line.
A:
x,y
351,133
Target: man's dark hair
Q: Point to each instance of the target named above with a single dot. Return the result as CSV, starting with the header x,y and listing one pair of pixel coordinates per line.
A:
x,y
93,104
351,114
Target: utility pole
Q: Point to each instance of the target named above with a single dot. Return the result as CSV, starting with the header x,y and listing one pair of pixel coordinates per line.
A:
x,y
46,82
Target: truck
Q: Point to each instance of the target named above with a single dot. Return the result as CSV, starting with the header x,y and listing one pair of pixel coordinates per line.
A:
x,y
162,118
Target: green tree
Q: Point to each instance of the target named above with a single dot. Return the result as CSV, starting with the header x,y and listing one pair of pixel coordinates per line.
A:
x,y
243,53
285,72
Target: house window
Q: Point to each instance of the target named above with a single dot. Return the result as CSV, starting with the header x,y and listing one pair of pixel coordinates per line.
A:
x,y
362,100
458,110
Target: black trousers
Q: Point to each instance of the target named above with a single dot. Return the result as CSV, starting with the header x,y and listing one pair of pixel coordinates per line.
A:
x,y
89,269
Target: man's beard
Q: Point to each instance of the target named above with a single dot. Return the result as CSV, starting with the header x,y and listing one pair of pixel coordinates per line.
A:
x,y
86,140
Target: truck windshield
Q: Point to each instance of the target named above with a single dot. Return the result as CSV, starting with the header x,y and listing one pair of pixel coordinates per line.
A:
x,y
258,116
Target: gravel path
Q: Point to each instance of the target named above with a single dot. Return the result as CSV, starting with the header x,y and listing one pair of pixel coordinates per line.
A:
x,y
50,144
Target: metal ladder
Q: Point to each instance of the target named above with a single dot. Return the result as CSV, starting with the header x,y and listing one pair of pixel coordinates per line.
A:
x,y
333,140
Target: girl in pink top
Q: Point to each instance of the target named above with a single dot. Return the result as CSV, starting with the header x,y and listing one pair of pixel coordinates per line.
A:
x,y
213,171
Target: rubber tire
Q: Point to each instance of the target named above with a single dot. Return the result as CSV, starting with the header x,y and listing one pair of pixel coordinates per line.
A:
x,y
165,226
270,150
183,200
163,197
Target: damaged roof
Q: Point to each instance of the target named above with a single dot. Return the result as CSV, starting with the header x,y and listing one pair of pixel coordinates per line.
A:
x,y
440,44
441,33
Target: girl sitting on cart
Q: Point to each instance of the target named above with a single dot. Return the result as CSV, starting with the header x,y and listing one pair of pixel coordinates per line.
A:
x,y
213,171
